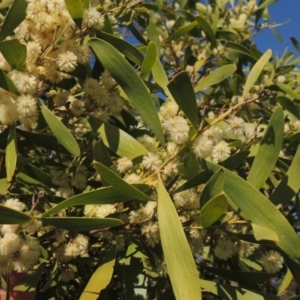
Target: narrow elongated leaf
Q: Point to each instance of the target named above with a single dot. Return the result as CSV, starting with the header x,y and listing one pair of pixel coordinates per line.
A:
x,y
63,135
129,51
120,142
160,77
215,77
12,216
288,277
288,90
264,233
213,187
204,25
15,16
152,35
256,71
4,185
213,210
295,43
7,84
240,276
101,277
182,91
6,3
228,292
260,210
241,50
182,31
15,53
117,182
268,151
149,59
101,154
30,281
178,256
107,195
289,184
289,105
11,153
131,84
81,224
75,8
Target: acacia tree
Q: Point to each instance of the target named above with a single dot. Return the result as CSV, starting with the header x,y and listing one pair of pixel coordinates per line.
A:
x,y
149,151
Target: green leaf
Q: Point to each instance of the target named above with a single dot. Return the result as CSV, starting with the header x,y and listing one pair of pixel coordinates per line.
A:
x,y
153,35
198,179
75,8
240,50
15,16
182,31
259,210
289,105
264,233
265,4
63,135
129,51
295,43
12,216
235,160
289,184
101,277
288,90
5,3
15,53
256,71
178,256
204,25
120,142
7,84
29,282
107,195
4,186
213,187
215,77
182,91
268,151
287,279
190,164
80,223
213,210
131,84
228,292
11,153
160,77
117,182
101,154
243,277
149,59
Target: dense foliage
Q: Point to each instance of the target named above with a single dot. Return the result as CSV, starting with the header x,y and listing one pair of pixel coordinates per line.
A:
x,y
149,150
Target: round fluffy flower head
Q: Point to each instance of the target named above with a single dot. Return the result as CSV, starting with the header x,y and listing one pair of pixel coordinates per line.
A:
x,y
15,204
169,109
26,106
8,111
202,146
92,18
224,249
151,161
272,261
9,243
236,126
220,152
124,164
67,61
